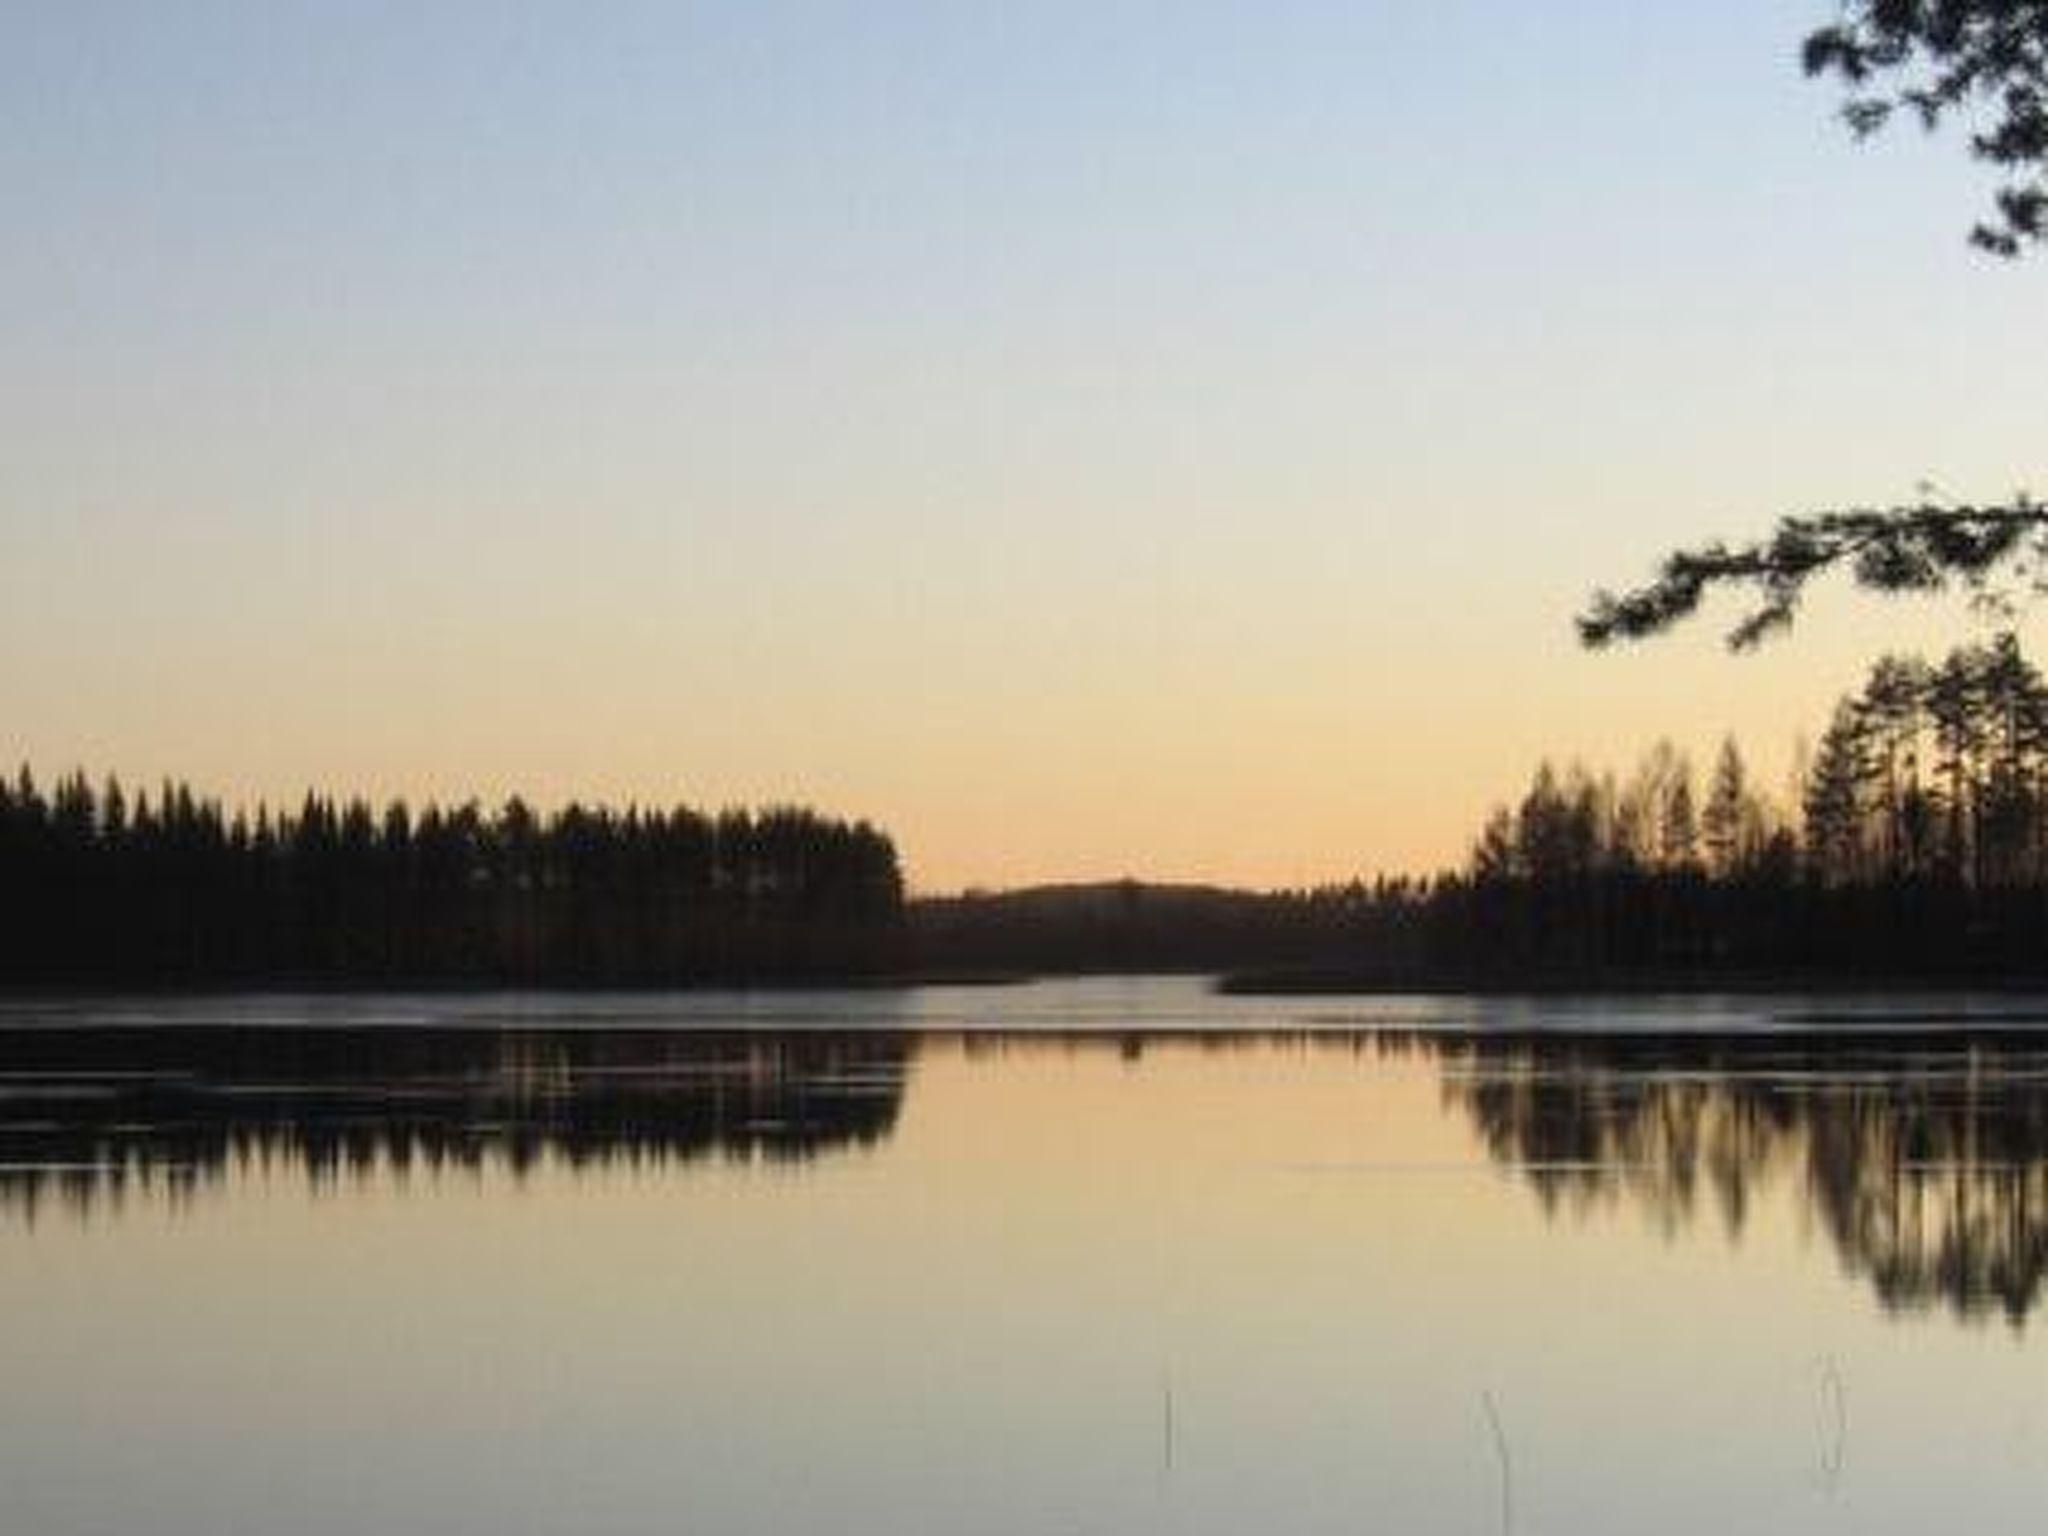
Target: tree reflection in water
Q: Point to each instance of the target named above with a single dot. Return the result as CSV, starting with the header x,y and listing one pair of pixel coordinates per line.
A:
x,y
88,1114
1924,1157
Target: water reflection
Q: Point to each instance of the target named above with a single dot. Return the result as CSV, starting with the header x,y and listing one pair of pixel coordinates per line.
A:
x,y
91,1114
86,1115
1924,1160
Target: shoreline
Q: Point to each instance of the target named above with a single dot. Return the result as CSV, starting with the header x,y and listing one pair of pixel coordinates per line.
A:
x,y
1312,981
1253,982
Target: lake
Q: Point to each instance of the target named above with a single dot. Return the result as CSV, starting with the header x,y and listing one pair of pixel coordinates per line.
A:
x,y
1116,1256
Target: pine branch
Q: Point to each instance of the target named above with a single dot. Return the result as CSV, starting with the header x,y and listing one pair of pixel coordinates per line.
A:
x,y
1924,548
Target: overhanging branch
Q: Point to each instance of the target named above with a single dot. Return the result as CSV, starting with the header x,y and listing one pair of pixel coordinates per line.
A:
x,y
1923,548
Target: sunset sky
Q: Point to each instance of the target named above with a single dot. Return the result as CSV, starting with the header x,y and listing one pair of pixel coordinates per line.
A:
x,y
1086,438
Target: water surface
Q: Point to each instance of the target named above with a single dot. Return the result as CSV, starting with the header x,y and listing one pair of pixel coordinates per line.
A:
x,y
1115,1256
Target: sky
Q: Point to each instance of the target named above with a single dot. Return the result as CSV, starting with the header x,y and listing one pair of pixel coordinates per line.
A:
x,y
1087,439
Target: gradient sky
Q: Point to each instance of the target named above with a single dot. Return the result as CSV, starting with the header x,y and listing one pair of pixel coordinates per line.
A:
x,y
1087,438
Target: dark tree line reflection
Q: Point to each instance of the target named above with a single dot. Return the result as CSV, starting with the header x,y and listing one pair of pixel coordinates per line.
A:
x,y
1924,1160
89,1115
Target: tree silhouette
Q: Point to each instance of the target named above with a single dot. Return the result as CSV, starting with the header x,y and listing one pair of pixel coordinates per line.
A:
x,y
1921,548
1881,868
1732,823
1834,797
1931,59
176,891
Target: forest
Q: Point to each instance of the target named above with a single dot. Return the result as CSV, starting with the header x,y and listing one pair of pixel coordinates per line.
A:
x,y
1912,846
176,890
1917,846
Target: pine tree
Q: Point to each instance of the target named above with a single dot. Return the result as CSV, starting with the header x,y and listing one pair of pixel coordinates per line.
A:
x,y
1730,815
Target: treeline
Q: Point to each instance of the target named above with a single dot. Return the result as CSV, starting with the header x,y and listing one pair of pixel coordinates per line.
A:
x,y
103,888
1127,926
1913,846
1916,845
1927,773
1936,772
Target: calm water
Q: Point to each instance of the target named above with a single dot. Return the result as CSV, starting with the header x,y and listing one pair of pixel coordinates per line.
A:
x,y
1095,1256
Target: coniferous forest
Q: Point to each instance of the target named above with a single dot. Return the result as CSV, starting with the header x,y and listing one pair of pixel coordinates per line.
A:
x,y
1912,846
174,889
1917,847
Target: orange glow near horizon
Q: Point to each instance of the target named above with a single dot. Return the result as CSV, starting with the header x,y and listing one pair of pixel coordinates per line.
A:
x,y
1081,467
1184,764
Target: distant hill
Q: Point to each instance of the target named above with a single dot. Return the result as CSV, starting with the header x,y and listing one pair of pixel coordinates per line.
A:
x,y
1127,925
